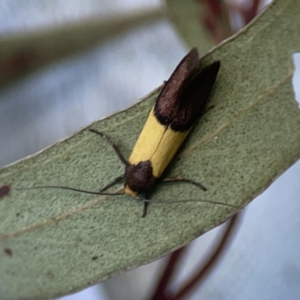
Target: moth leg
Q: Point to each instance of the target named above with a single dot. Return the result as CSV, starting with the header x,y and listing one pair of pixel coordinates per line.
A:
x,y
115,147
179,179
145,209
110,184
145,206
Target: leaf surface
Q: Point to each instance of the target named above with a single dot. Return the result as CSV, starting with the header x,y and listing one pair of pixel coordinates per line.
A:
x,y
54,242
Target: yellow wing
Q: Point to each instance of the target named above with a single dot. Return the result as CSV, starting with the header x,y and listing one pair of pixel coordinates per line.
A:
x,y
157,143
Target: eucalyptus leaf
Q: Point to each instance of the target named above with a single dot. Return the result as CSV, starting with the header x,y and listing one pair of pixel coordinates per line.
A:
x,y
191,20
54,242
29,51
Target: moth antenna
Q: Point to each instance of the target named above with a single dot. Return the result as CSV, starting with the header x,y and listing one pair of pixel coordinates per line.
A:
x,y
189,200
68,188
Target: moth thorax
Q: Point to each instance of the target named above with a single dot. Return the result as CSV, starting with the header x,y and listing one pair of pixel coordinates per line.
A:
x,y
139,178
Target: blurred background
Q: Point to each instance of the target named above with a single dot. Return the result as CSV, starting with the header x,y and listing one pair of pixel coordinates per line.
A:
x,y
262,262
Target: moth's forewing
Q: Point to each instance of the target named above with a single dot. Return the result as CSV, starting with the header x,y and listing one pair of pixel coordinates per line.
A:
x,y
166,105
194,97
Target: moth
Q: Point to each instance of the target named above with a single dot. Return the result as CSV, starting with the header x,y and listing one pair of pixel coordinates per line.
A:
x,y
177,108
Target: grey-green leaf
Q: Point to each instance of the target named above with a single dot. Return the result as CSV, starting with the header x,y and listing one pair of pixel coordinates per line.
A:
x,y
54,242
27,52
190,19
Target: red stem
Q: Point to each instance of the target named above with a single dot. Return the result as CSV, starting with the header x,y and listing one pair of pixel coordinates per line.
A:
x,y
250,13
161,289
212,262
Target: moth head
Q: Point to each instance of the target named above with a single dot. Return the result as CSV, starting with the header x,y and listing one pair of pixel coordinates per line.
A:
x,y
139,178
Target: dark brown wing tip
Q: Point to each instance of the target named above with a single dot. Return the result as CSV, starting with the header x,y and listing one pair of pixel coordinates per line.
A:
x,y
193,52
167,100
192,56
194,97
215,66
211,71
